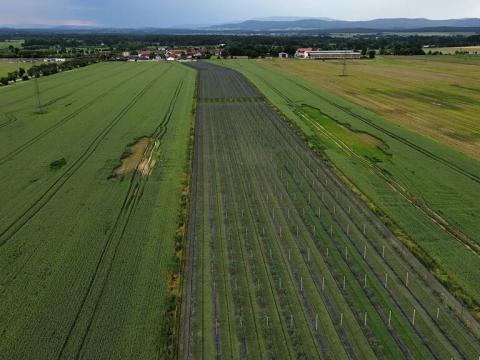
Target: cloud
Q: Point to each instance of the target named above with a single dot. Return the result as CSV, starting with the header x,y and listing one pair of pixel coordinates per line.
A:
x,y
163,13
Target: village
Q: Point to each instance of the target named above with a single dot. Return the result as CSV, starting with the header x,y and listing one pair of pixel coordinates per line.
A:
x,y
168,54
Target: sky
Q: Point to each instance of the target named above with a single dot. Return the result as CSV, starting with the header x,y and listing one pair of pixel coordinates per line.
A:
x,y
170,13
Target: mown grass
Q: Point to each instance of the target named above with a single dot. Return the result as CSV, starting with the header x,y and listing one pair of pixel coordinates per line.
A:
x,y
87,261
411,189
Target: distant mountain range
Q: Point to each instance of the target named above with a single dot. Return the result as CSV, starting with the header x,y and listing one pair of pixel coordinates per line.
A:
x,y
279,24
297,24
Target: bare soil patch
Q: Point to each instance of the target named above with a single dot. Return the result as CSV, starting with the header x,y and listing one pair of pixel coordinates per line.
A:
x,y
135,158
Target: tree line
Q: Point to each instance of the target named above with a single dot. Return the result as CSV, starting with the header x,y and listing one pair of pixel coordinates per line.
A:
x,y
45,70
45,44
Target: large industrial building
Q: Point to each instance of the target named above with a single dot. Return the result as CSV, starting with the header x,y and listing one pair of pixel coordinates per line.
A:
x,y
316,54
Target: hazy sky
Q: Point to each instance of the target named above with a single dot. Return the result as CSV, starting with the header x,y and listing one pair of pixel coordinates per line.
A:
x,y
163,13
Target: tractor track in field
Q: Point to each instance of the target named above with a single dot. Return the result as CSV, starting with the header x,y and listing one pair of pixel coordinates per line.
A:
x,y
63,121
391,134
88,77
47,195
10,120
129,206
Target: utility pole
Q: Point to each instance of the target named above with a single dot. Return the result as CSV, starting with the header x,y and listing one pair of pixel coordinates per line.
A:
x,y
37,95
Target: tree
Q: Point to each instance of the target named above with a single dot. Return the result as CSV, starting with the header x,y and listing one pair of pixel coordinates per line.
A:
x,y
371,54
21,72
4,81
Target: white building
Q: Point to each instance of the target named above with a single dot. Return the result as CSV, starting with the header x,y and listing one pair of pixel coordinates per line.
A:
x,y
327,54
283,55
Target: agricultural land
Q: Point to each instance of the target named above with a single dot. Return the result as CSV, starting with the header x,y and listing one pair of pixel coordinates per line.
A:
x,y
233,209
94,175
426,189
284,260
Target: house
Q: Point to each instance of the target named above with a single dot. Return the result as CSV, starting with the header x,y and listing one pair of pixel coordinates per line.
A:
x,y
126,54
283,55
303,52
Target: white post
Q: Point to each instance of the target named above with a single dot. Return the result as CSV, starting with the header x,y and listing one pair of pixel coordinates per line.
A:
x,y
344,281
323,283
301,283
331,229
364,252
348,229
308,254
438,312
406,280
267,321
386,280
314,230
341,319
383,251
365,320
389,318
346,253
413,318
316,322
364,229
327,252
365,281
318,212
349,209
289,254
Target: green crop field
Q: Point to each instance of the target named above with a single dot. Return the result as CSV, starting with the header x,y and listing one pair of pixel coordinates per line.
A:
x,y
7,66
284,261
427,191
93,189
250,210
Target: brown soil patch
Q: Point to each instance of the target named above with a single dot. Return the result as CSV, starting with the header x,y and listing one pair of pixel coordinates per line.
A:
x,y
135,158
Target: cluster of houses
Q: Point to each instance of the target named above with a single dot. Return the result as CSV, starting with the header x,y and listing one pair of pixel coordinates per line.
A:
x,y
176,54
317,54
